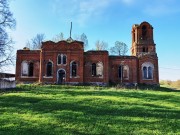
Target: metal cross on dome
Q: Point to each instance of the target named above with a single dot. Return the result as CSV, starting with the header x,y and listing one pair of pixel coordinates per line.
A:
x,y
70,38
70,29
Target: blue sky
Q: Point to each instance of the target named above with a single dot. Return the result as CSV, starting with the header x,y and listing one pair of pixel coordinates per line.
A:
x,y
107,20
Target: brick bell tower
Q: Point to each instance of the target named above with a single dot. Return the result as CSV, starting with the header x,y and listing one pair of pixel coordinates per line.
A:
x,y
144,48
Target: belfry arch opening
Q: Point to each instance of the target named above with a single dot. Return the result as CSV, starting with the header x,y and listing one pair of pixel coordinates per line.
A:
x,y
144,32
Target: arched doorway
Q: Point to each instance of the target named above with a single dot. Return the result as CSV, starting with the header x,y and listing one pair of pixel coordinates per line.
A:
x,y
61,76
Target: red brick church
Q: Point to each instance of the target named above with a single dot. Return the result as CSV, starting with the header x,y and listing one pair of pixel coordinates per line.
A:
x,y
65,62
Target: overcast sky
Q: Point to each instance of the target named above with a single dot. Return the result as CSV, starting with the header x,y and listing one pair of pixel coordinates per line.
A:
x,y
107,20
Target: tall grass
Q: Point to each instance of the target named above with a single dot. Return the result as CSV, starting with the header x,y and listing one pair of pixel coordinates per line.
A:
x,y
171,84
50,110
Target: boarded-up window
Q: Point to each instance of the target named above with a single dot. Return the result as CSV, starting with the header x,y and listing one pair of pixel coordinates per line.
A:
x,y
125,72
99,69
24,68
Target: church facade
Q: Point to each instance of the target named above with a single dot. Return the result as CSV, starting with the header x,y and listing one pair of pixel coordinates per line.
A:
x,y
65,62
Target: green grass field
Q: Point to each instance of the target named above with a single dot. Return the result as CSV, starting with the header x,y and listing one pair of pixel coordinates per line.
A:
x,y
49,110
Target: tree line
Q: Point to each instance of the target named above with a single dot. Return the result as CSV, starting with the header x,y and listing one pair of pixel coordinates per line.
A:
x,y
119,48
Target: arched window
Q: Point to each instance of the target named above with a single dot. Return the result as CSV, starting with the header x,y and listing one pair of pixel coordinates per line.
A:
x,y
120,73
147,70
150,73
93,69
59,59
49,69
31,69
125,72
99,69
24,68
74,69
64,59
144,32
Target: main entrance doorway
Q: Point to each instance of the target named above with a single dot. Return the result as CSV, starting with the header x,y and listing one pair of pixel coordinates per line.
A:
x,y
61,76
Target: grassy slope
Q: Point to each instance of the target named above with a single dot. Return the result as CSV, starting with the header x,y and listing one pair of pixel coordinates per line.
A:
x,y
85,110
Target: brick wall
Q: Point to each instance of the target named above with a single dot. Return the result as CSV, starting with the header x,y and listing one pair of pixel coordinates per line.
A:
x,y
154,61
28,56
91,57
115,62
73,51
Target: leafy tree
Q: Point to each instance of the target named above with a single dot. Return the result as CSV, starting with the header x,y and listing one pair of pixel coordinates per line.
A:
x,y
120,48
6,22
36,42
58,37
101,45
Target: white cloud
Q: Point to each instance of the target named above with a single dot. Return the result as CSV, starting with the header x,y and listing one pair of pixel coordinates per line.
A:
x,y
84,11
80,11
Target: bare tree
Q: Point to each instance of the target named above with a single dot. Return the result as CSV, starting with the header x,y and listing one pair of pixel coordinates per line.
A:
x,y
82,38
58,37
120,48
36,42
6,21
101,45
